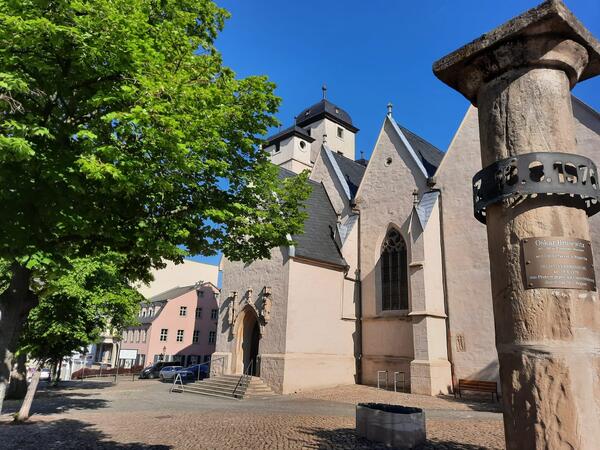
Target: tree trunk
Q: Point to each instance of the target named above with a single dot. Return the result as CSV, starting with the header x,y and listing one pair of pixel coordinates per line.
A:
x,y
58,371
18,379
26,406
15,303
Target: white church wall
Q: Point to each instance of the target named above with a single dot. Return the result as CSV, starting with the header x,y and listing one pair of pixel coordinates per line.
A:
x,y
322,172
587,130
239,277
384,198
345,145
466,259
291,155
320,343
465,243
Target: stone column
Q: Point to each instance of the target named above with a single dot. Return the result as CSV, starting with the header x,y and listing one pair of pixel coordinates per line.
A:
x,y
548,340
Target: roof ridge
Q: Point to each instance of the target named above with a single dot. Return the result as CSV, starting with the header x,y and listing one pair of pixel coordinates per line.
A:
x,y
421,138
338,154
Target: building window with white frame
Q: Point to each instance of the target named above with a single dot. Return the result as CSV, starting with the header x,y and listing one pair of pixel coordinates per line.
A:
x,y
163,334
196,336
183,311
198,313
137,335
340,132
124,336
214,314
179,335
143,335
212,337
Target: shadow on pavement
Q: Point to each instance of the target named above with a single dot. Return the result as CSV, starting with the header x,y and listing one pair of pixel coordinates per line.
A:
x,y
347,438
74,385
58,402
476,402
64,434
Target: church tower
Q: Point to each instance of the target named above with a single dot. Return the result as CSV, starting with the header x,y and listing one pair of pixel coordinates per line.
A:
x,y
296,148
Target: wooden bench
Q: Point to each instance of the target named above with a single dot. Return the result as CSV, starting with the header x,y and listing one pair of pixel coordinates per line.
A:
x,y
477,385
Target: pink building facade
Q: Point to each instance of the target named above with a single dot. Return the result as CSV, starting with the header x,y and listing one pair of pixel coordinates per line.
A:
x,y
178,325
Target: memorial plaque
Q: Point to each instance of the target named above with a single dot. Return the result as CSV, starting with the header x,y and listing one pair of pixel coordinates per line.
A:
x,y
558,262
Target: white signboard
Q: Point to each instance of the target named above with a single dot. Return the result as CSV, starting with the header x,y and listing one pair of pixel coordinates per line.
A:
x,y
127,354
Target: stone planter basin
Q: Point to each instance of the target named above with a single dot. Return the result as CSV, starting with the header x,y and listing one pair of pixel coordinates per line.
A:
x,y
394,425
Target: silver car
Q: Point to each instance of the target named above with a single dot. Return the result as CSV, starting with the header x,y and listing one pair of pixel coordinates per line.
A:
x,y
167,373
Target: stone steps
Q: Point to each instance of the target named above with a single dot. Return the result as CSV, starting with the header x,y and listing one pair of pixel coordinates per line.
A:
x,y
228,386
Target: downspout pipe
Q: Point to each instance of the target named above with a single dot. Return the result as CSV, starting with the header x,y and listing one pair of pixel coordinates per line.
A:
x,y
357,280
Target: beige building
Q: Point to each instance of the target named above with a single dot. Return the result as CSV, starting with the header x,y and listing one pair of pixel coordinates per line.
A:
x,y
391,272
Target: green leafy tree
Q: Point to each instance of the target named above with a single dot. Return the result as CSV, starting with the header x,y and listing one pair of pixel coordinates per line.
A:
x,y
74,308
121,130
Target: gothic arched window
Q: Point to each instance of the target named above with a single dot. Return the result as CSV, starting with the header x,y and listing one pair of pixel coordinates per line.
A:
x,y
394,279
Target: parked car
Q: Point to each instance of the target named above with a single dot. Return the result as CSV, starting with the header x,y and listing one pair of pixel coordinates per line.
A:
x,y
195,372
45,375
168,372
153,370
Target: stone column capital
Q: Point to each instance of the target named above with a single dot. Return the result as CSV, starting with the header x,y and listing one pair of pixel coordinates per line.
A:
x,y
548,36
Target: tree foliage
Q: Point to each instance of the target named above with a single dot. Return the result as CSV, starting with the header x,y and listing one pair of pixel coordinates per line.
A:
x,y
122,130
77,305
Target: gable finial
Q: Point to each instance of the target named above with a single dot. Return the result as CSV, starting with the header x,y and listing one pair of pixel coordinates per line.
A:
x,y
324,138
362,154
324,89
389,109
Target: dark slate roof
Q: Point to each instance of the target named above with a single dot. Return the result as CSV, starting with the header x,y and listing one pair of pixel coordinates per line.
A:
x,y
322,109
172,293
291,131
319,241
353,171
430,155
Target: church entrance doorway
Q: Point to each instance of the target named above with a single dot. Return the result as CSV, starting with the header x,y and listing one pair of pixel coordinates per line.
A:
x,y
248,339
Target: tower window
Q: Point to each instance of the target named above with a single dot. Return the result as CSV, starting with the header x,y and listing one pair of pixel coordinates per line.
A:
x,y
394,272
277,148
302,145
340,132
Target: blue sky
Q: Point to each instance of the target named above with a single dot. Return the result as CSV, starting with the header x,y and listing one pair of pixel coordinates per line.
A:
x,y
370,53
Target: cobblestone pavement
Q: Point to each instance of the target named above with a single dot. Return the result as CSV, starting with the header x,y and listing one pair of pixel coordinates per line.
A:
x,y
143,415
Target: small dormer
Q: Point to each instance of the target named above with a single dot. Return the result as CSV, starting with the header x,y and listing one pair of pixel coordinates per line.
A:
x,y
327,119
291,149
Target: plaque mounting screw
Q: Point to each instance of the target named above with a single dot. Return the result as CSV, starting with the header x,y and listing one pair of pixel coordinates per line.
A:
x,y
527,262
530,284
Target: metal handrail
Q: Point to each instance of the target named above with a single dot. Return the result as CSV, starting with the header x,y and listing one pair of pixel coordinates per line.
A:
x,y
246,376
207,363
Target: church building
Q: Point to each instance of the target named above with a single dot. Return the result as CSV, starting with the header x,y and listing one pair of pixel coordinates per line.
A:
x,y
391,272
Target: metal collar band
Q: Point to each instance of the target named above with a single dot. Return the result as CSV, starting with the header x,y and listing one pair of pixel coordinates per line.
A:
x,y
571,179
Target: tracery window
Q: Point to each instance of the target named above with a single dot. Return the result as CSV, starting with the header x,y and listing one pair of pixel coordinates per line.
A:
x,y
394,272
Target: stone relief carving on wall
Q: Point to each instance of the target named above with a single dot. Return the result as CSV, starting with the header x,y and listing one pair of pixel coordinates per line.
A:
x,y
261,305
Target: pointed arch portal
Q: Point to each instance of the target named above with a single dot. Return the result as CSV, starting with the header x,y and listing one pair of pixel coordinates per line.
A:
x,y
247,337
